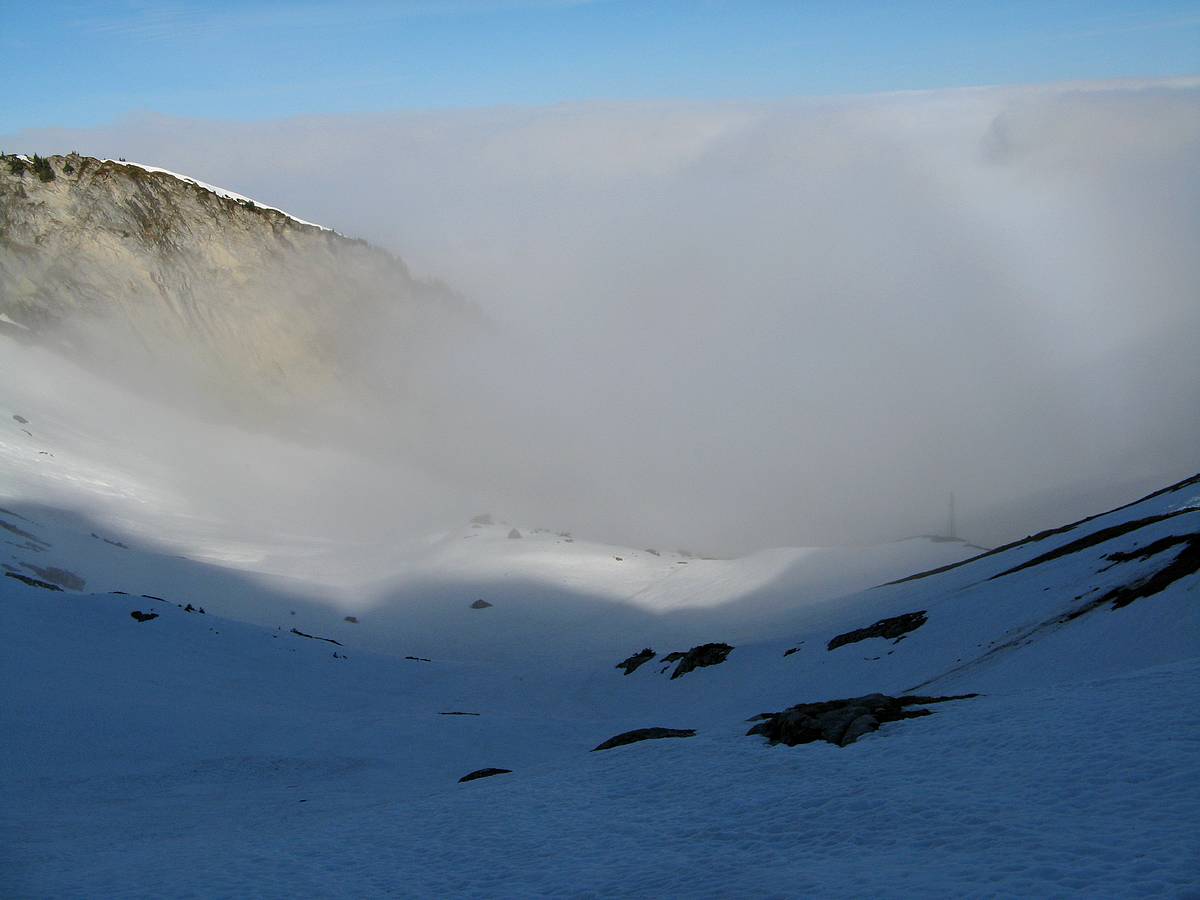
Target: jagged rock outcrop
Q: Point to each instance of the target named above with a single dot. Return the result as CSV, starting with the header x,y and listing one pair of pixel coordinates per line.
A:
x,y
696,658
632,663
893,628
119,260
840,722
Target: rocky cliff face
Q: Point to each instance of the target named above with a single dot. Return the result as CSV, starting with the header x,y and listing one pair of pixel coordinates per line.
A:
x,y
111,260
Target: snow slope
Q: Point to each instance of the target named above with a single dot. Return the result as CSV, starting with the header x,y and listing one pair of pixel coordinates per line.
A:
x,y
221,753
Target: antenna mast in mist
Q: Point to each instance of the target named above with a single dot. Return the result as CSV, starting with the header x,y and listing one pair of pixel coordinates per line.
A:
x,y
950,532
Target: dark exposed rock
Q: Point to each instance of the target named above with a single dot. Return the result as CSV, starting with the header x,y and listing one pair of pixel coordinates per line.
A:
x,y
840,722
514,534
61,577
456,712
893,628
482,519
353,620
152,597
1185,562
418,659
1096,537
696,658
22,533
631,664
143,617
21,419
33,582
1050,532
791,650
484,773
480,604
299,633
652,552
644,734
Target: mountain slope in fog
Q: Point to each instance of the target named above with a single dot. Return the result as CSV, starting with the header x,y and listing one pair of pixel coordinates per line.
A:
x,y
118,259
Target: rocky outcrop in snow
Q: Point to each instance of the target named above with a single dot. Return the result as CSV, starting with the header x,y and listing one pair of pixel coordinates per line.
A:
x,y
840,722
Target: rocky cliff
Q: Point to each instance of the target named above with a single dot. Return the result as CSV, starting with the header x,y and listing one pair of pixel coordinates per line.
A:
x,y
114,261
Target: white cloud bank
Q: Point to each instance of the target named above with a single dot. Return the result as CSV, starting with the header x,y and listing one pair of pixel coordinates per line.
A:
x,y
740,325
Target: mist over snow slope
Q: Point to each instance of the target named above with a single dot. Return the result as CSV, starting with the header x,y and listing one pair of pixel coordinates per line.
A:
x,y
246,737
205,503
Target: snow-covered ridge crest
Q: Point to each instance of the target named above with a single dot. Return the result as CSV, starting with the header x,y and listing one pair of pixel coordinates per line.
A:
x,y
219,191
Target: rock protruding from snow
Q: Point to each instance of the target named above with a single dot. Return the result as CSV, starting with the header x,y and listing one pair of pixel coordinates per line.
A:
x,y
840,722
140,616
482,519
33,582
514,535
892,628
631,664
644,734
696,658
62,577
481,604
484,773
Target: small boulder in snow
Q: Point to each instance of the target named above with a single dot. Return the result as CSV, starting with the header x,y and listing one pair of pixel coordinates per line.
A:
x,y
480,604
514,535
140,616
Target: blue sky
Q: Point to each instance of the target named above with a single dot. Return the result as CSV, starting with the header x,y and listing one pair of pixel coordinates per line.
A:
x,y
78,64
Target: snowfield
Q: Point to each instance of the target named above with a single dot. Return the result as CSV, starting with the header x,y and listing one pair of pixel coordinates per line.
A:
x,y
248,739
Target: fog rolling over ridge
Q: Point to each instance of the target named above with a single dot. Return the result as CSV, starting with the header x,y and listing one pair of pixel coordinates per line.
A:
x,y
731,326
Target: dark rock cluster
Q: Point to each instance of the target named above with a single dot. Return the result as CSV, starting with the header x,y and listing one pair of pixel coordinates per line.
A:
x,y
696,658
840,722
893,628
631,664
